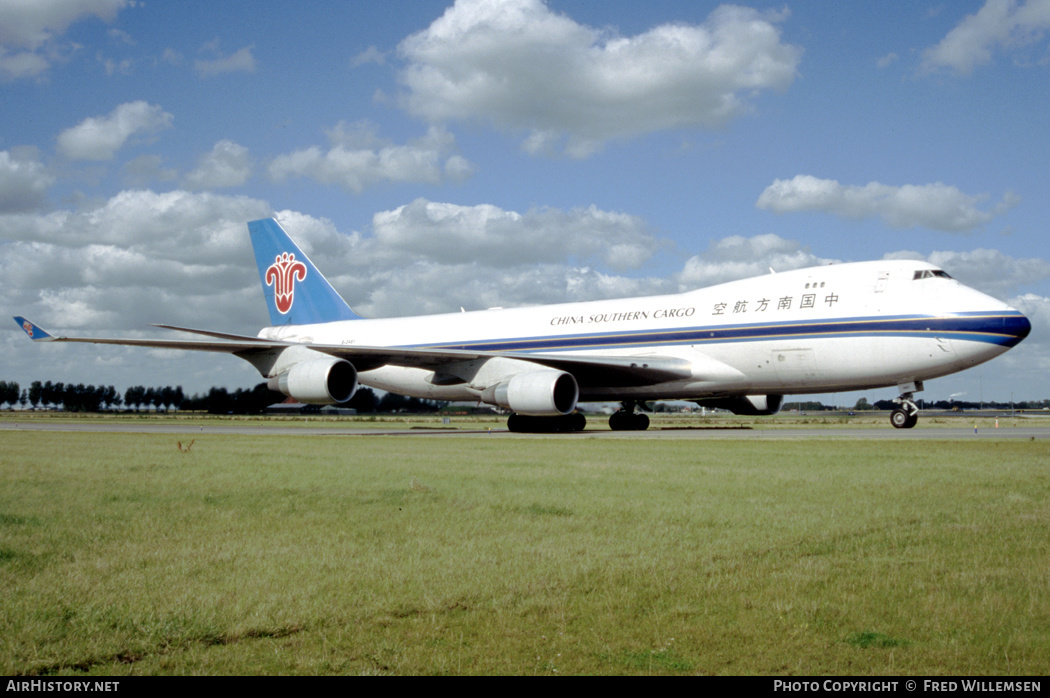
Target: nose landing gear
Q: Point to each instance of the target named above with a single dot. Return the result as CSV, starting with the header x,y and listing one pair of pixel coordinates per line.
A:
x,y
907,415
902,419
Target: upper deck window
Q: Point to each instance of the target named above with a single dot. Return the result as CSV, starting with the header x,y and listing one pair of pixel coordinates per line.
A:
x,y
929,274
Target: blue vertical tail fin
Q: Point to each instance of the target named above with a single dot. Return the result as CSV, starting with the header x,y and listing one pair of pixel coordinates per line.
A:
x,y
296,292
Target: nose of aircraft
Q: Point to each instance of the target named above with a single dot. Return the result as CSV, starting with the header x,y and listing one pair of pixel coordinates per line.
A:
x,y
1017,327
1006,326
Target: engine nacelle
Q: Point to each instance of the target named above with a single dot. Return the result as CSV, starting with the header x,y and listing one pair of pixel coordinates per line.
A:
x,y
749,405
318,381
545,392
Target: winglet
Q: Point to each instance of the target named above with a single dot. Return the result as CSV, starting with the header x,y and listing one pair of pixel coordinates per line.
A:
x,y
35,332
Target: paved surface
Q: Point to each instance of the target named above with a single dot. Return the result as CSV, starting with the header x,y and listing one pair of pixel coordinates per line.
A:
x,y
1036,431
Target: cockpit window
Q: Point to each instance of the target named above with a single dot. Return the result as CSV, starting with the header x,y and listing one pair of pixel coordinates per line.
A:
x,y
929,274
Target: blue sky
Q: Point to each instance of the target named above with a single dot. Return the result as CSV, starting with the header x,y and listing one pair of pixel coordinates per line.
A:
x,y
437,155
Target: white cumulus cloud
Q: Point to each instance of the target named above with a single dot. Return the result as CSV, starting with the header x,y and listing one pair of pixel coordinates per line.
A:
x,y
522,67
24,182
936,206
29,28
450,233
738,257
184,257
227,165
100,137
1000,24
357,158
241,61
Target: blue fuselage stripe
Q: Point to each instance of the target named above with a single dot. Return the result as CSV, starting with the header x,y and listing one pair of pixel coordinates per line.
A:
x,y
1004,329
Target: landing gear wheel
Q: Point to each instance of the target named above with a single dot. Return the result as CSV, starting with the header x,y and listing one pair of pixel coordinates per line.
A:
x,y
529,424
628,421
902,419
905,416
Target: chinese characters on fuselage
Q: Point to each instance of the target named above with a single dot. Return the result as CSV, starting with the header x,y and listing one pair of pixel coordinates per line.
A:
x,y
761,305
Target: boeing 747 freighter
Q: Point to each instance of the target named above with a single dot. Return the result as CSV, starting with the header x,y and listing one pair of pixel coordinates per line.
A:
x,y
741,345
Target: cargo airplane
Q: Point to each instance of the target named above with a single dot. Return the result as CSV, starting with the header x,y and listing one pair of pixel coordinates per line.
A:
x,y
741,345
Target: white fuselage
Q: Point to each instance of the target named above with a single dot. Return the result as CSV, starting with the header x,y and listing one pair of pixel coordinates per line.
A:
x,y
823,329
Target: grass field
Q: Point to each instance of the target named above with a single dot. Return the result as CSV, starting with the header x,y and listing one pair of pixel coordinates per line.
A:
x,y
122,554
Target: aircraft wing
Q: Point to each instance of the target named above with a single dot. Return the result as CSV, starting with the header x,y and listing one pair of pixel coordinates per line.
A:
x,y
619,371
605,371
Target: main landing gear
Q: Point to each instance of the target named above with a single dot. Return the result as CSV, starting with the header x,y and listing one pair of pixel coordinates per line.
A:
x,y
626,419
907,415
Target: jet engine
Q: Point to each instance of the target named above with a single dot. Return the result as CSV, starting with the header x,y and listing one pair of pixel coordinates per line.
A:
x,y
750,405
542,393
318,381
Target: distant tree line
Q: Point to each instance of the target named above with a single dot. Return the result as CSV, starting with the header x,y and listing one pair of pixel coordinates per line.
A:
x,y
808,406
366,402
889,405
966,405
72,398
9,394
90,398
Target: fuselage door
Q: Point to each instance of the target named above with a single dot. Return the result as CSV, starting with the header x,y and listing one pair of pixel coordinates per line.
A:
x,y
796,365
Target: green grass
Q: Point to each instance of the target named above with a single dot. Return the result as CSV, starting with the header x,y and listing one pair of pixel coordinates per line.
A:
x,y
120,554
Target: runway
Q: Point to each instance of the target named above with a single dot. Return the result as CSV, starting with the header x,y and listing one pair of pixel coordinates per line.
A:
x,y
1036,431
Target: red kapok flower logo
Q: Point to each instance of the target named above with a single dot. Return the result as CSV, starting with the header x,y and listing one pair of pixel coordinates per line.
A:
x,y
282,275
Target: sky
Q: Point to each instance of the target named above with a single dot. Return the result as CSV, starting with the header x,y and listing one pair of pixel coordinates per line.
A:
x,y
433,155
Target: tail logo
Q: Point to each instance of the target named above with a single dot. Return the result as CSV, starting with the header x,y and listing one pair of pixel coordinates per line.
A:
x,y
282,275
28,327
